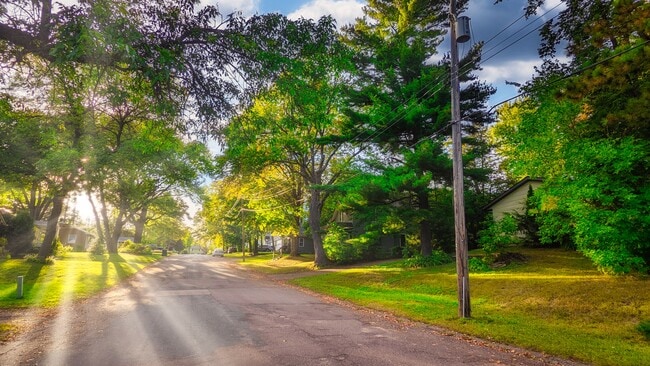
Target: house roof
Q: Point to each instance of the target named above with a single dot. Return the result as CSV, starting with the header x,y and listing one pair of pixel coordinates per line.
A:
x,y
510,190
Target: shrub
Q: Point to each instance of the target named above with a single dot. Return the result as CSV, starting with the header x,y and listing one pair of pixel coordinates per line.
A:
x,y
341,250
19,233
478,265
98,249
498,235
616,262
135,248
436,258
644,328
34,258
58,249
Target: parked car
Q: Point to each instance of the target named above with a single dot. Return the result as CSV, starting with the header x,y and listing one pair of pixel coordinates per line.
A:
x,y
217,253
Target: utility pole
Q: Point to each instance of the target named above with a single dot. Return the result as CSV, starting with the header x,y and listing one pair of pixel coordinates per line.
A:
x,y
462,270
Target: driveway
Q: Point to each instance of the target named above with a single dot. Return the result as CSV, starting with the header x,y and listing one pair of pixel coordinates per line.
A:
x,y
201,310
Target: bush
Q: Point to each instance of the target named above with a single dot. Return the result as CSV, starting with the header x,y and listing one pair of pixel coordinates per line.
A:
x,y
436,258
498,235
98,249
478,265
341,250
644,328
134,248
34,258
58,249
19,233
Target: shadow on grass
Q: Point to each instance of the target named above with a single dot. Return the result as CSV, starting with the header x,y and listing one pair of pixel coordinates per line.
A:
x,y
32,276
117,262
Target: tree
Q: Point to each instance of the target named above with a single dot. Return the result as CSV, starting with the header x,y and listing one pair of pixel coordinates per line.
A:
x,y
148,167
188,55
178,56
584,129
297,122
403,103
27,138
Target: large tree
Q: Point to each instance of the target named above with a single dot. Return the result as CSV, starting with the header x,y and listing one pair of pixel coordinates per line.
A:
x,y
297,123
184,57
403,99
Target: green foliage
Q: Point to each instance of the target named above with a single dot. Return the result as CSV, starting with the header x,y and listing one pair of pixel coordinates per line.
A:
x,y
395,41
34,258
605,200
644,328
135,248
478,265
499,235
437,257
339,248
98,249
19,233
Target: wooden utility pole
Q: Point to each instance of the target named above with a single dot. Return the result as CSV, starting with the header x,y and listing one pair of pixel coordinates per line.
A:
x,y
462,270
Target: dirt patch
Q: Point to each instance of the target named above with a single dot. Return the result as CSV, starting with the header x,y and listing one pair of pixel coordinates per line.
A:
x,y
14,322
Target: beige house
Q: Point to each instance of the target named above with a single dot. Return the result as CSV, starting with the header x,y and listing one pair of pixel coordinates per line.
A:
x,y
514,199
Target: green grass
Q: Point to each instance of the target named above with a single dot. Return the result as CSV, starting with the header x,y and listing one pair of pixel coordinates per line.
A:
x,y
265,263
75,276
556,303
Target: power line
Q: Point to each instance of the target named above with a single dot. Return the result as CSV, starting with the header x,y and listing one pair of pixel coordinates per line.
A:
x,y
576,72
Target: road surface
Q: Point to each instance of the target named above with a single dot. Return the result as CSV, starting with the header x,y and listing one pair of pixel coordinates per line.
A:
x,y
200,310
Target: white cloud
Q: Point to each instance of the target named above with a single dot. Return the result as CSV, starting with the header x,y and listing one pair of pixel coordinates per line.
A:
x,y
519,71
344,11
246,7
551,4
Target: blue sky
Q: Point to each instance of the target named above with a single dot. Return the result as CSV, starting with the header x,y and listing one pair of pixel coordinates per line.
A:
x,y
507,57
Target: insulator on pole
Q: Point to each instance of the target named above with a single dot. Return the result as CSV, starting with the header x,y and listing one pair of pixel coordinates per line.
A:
x,y
462,29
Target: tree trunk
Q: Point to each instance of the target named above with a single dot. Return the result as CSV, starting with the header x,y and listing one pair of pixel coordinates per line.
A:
x,y
52,227
426,237
111,245
98,223
293,245
253,243
320,259
139,225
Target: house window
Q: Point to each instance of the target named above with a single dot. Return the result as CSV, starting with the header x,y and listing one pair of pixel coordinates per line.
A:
x,y
301,242
72,238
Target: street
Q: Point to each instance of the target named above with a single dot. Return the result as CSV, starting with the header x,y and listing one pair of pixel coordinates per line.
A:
x,y
200,310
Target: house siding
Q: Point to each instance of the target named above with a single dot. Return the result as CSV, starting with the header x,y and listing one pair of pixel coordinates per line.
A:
x,y
513,202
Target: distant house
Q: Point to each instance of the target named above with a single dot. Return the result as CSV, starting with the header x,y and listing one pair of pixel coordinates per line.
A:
x,y
196,249
514,199
75,237
68,235
123,238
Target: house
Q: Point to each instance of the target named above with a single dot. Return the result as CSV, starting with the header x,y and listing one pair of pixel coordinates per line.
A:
x,y
73,236
514,199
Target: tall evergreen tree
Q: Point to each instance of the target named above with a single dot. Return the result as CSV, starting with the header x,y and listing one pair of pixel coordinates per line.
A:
x,y
403,102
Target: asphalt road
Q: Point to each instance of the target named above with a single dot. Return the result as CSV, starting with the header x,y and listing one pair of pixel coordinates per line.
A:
x,y
200,310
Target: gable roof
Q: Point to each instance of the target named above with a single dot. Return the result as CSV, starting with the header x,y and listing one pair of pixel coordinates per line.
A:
x,y
510,190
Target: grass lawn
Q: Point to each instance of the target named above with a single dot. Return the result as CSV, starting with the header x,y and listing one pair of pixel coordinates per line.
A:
x,y
556,302
75,276
266,263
